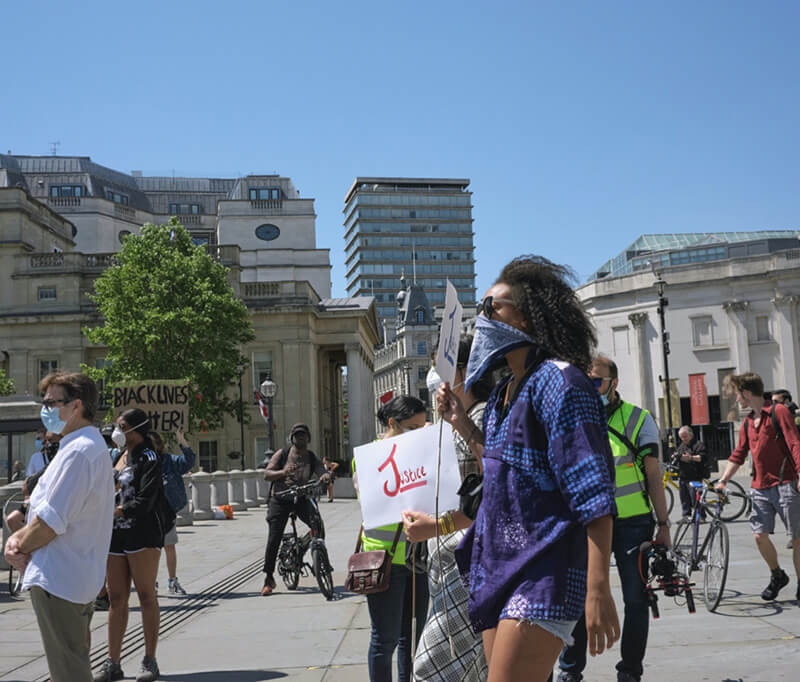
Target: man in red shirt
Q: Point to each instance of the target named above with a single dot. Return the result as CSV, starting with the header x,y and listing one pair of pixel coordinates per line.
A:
x,y
769,433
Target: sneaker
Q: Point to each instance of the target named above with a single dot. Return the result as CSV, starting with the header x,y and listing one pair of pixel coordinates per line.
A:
x,y
269,585
101,603
149,671
777,582
109,672
569,677
626,677
175,588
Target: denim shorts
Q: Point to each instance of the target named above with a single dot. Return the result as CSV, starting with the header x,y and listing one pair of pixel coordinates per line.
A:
x,y
560,628
782,500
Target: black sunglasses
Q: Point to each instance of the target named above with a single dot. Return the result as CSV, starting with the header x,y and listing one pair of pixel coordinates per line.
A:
x,y
486,306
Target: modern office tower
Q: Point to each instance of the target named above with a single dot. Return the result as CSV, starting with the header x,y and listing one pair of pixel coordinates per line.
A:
x,y
417,227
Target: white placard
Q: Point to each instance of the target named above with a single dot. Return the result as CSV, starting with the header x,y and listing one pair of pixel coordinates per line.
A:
x,y
449,336
399,474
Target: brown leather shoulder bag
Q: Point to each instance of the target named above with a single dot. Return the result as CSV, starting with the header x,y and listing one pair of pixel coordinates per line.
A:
x,y
369,572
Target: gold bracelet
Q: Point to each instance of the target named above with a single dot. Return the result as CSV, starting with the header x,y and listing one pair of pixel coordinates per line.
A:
x,y
442,530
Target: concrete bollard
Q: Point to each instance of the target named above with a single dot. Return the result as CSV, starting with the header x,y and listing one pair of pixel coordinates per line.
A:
x,y
236,490
262,487
219,488
201,496
184,517
250,491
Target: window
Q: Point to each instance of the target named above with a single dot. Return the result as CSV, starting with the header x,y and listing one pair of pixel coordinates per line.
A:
x,y
207,451
47,293
262,368
66,191
117,197
47,367
262,445
702,331
420,316
422,348
422,373
264,193
184,209
268,232
762,328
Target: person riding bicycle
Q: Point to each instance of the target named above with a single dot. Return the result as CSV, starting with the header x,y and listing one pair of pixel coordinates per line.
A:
x,y
692,464
289,467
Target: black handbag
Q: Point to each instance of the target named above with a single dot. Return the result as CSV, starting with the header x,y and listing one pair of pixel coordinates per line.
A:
x,y
470,494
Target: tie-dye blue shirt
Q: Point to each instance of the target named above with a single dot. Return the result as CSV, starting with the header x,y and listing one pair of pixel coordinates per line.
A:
x,y
548,472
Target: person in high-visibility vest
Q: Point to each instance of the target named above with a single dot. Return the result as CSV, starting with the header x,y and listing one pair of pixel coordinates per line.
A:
x,y
634,438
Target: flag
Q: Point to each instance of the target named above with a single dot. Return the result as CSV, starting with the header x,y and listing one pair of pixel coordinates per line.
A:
x,y
262,407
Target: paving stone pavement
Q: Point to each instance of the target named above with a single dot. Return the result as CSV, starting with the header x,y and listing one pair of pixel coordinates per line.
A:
x,y
226,632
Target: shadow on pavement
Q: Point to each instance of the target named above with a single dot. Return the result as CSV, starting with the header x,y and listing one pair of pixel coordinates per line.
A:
x,y
225,676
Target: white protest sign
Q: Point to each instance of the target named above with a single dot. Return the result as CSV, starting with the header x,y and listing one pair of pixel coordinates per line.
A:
x,y
399,474
449,336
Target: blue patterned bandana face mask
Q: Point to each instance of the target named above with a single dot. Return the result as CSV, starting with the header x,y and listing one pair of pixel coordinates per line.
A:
x,y
492,340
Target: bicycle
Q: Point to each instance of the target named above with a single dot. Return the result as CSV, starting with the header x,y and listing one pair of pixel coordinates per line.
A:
x,y
713,553
738,500
291,564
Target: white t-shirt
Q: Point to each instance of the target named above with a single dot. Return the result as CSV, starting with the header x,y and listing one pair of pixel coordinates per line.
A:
x,y
74,497
36,464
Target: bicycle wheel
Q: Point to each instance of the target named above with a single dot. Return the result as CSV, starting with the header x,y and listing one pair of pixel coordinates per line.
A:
x,y
737,501
289,567
670,497
682,547
715,570
323,573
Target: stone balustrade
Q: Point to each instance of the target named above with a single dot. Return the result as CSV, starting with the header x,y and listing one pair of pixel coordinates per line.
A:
x,y
184,517
236,490
201,496
250,488
262,487
219,488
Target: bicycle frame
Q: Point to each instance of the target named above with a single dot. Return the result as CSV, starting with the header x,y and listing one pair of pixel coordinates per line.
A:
x,y
701,489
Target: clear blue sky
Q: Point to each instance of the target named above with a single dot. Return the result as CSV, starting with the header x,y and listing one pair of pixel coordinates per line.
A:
x,y
581,124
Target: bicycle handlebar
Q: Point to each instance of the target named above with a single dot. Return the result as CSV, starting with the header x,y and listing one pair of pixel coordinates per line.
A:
x,y
298,489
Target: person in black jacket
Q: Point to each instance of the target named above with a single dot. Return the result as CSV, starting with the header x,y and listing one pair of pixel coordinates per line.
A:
x,y
141,518
692,466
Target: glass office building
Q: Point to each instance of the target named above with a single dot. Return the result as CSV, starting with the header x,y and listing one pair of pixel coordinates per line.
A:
x,y
417,227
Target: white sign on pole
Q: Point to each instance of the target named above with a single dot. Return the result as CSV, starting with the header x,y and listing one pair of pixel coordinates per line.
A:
x,y
449,336
399,474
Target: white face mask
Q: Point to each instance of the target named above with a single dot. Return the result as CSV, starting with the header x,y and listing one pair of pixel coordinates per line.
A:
x,y
118,435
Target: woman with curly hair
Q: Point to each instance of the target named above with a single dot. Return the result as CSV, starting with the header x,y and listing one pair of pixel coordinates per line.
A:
x,y
538,550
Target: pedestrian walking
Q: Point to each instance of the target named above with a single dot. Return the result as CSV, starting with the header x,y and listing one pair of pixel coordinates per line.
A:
x,y
62,549
548,476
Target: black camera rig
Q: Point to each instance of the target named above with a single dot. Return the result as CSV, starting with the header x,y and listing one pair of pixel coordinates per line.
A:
x,y
659,573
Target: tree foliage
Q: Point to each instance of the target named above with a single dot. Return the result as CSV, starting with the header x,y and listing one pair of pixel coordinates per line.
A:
x,y
7,386
170,313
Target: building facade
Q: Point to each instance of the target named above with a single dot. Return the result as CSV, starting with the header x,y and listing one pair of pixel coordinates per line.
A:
x,y
723,316
410,338
417,227
54,242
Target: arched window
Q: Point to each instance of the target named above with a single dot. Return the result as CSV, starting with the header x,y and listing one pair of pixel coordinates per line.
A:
x,y
420,316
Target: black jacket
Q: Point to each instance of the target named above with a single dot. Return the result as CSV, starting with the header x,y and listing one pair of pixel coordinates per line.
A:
x,y
692,471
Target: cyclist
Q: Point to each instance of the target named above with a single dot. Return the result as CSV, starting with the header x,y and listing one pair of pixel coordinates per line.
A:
x,y
692,466
769,433
290,466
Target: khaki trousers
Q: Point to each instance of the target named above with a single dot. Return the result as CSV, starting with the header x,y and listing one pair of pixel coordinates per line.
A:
x,y
64,627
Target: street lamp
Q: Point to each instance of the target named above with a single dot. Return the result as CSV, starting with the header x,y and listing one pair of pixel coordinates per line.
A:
x,y
407,372
241,367
268,389
663,302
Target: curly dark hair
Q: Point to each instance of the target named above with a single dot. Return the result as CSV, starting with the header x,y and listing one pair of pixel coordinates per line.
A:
x,y
542,292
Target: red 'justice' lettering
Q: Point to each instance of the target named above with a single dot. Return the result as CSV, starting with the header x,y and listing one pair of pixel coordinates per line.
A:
x,y
409,479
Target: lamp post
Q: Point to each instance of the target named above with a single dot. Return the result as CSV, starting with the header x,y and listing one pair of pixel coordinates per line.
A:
x,y
407,372
268,389
663,302
241,367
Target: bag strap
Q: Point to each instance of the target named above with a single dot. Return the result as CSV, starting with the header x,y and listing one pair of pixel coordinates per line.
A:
x,y
358,541
779,436
396,538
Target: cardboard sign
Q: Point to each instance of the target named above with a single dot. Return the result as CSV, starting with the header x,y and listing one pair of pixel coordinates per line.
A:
x,y
399,474
449,336
166,401
699,398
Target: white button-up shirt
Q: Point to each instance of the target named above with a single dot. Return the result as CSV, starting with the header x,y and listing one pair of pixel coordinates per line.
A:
x,y
74,497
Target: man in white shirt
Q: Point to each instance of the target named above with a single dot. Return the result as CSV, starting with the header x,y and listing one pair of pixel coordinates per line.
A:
x,y
36,462
63,548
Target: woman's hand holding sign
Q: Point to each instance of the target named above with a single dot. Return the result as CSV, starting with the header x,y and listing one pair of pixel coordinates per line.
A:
x,y
418,526
449,405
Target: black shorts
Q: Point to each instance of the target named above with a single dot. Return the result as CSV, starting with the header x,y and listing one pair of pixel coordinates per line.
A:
x,y
147,535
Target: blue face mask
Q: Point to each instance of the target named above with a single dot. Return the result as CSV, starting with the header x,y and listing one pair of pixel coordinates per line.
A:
x,y
492,340
51,420
604,398
37,443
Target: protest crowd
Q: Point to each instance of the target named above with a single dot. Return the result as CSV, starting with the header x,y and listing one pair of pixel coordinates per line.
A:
x,y
551,472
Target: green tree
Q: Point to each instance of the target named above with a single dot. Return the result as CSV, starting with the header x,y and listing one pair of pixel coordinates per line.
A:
x,y
7,386
170,313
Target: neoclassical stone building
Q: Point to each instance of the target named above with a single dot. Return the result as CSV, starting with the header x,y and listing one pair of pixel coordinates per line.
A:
x,y
62,219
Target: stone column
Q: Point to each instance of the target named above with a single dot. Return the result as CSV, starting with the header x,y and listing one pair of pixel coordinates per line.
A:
x,y
786,306
201,496
262,487
184,517
739,339
219,488
644,366
360,396
250,491
236,490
